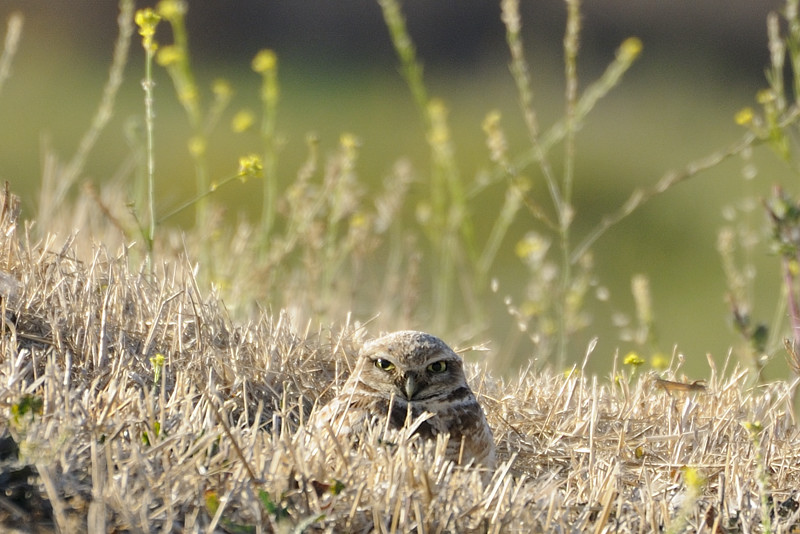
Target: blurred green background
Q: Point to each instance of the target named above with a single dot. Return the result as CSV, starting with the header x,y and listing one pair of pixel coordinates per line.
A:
x,y
702,62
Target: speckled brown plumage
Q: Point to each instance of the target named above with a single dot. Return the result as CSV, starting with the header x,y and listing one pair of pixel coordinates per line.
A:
x,y
405,375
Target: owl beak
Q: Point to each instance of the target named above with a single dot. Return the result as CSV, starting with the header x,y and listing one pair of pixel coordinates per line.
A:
x,y
411,386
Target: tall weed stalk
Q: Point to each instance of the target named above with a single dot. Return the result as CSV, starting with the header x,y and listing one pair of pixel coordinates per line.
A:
x,y
774,124
446,220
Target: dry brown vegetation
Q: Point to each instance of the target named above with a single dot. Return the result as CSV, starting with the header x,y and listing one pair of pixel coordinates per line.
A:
x,y
101,435
135,399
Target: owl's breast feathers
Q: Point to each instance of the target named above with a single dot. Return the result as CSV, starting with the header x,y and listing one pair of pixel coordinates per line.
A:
x,y
460,416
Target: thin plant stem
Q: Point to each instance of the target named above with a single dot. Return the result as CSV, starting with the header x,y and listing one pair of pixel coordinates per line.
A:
x,y
627,53
790,284
520,73
571,44
66,178
412,70
511,205
147,20
449,214
566,212
149,121
106,107
640,196
266,64
793,42
560,194
175,58
13,34
560,188
203,194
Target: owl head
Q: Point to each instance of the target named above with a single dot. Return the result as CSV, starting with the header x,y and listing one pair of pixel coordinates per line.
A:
x,y
410,366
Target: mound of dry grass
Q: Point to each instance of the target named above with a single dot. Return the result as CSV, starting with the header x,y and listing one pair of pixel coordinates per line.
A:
x,y
133,402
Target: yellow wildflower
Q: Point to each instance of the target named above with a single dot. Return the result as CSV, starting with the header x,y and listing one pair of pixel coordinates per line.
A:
x,y
744,116
250,165
242,121
630,49
222,88
659,361
197,146
169,55
765,96
171,9
633,359
264,61
147,20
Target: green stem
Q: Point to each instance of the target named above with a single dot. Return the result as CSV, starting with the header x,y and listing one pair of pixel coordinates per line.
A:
x,y
626,55
200,196
149,119
13,34
412,70
270,153
565,210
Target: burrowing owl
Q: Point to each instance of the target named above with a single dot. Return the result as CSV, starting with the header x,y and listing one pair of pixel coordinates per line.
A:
x,y
403,376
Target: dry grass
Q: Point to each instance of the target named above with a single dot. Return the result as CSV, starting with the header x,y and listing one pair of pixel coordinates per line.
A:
x,y
95,438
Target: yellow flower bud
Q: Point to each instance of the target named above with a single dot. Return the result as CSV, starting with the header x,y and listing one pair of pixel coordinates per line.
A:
x,y
169,55
630,49
222,88
197,146
171,9
744,116
633,359
264,61
242,121
250,165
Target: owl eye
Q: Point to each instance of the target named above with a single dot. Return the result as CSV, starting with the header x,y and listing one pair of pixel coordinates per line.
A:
x,y
437,367
384,365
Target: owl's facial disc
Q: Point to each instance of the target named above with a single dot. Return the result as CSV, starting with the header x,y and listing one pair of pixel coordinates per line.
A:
x,y
415,375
